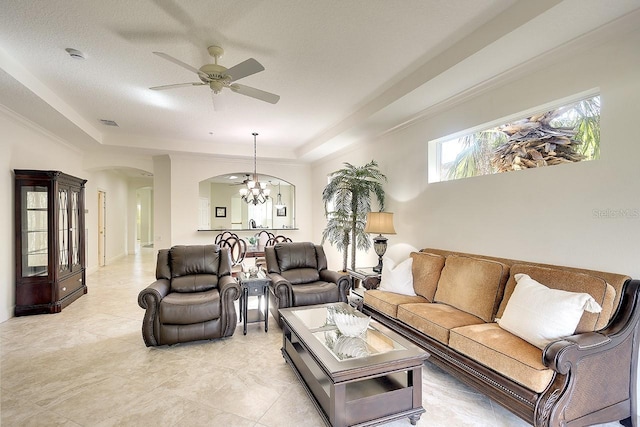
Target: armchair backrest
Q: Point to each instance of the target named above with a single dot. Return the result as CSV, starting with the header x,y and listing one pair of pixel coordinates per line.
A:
x,y
298,262
193,268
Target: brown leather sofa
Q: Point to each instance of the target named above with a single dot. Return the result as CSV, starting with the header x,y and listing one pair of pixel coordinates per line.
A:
x,y
583,379
192,298
299,276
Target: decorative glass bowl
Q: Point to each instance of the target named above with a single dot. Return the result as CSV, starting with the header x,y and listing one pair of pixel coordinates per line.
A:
x,y
350,324
350,347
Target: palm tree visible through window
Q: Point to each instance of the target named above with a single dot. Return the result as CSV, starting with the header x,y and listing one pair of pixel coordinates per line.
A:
x,y
568,134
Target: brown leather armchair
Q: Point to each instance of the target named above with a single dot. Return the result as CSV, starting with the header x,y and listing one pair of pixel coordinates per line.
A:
x,y
299,276
192,298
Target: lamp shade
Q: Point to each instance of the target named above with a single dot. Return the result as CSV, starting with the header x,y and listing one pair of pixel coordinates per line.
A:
x,y
380,222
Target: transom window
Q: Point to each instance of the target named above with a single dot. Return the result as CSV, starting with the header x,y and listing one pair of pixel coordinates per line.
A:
x,y
566,134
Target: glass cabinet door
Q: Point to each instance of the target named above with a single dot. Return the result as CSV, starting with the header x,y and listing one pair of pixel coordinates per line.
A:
x,y
75,230
63,229
35,233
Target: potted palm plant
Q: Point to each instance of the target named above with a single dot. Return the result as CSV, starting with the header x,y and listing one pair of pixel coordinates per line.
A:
x,y
347,199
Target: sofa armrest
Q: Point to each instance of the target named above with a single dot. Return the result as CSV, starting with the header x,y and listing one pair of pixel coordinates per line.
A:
x,y
595,361
342,280
281,288
149,299
560,355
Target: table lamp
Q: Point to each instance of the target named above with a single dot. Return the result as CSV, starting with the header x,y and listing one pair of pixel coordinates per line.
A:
x,y
381,223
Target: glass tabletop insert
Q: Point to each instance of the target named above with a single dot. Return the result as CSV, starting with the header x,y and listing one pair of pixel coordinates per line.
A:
x,y
320,322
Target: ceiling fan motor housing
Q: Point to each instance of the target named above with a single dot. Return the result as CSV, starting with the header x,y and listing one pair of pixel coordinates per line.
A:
x,y
214,71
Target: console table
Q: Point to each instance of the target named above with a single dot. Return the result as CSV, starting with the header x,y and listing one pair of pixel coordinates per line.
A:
x,y
254,286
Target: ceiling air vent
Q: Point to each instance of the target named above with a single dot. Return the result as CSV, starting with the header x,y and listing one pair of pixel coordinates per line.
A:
x,y
108,123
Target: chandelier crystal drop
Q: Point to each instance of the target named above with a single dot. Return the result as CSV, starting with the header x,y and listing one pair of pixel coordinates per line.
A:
x,y
256,191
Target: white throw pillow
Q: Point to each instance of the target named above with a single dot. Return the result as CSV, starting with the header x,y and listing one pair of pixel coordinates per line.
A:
x,y
397,278
541,315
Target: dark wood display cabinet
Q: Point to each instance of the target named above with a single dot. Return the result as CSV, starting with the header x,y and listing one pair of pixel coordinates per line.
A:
x,y
50,241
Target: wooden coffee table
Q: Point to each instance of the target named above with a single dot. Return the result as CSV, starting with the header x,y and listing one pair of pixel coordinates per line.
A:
x,y
360,381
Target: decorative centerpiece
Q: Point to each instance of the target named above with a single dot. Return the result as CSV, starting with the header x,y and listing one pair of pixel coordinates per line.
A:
x,y
350,324
350,347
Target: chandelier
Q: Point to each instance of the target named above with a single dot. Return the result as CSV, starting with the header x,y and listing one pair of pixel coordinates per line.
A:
x,y
256,191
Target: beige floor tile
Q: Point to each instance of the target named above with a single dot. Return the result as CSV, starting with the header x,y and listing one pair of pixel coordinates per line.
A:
x,y
88,366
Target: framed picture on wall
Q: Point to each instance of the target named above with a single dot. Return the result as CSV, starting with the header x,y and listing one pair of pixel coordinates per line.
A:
x,y
221,212
281,211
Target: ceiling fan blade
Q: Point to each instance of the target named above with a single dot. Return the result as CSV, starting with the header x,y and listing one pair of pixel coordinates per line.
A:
x,y
182,64
176,85
244,69
271,98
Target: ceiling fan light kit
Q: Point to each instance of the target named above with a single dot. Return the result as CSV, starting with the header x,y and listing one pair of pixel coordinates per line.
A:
x,y
218,77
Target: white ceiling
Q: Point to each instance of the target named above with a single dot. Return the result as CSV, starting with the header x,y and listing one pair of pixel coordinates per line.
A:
x,y
346,71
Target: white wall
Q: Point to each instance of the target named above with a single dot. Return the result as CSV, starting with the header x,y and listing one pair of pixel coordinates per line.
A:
x,y
25,146
543,215
162,201
146,215
7,268
187,172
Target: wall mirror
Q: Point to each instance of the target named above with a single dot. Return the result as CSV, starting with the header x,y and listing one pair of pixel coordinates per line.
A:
x,y
221,205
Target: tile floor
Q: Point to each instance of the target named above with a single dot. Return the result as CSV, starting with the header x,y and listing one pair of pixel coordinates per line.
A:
x,y
88,366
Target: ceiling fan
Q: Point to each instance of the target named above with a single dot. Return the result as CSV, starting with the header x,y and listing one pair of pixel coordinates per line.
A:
x,y
246,179
218,77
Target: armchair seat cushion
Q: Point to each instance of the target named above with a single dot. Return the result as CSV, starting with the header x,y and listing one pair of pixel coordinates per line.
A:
x,y
301,275
315,293
186,308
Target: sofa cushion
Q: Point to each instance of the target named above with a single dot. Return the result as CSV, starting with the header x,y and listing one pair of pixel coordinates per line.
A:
x,y
540,315
187,308
473,285
388,302
434,319
503,352
397,278
570,281
426,271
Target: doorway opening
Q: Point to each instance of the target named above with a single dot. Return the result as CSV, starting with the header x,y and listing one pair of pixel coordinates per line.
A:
x,y
144,217
102,238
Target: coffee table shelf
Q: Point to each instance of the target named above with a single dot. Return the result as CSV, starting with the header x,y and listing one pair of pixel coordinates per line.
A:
x,y
363,390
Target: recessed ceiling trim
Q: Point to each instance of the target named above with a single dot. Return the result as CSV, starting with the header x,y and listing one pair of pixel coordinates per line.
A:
x,y
22,75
